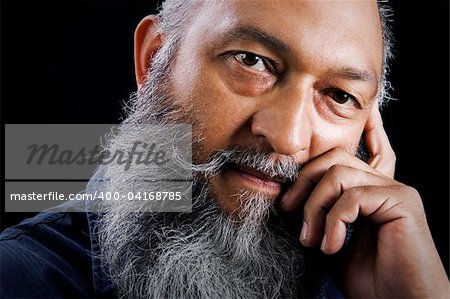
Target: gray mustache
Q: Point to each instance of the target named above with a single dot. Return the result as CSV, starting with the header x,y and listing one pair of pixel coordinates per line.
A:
x,y
271,164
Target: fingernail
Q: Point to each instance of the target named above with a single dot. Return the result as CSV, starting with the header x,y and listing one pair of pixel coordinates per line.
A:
x,y
286,195
304,232
324,243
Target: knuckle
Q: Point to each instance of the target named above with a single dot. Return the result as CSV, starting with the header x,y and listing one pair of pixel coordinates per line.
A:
x,y
337,171
410,192
391,157
412,199
354,193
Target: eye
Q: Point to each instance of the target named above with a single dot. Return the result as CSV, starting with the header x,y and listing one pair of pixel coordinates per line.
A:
x,y
252,61
341,97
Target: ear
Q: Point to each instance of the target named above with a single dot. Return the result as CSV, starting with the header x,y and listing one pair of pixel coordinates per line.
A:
x,y
147,40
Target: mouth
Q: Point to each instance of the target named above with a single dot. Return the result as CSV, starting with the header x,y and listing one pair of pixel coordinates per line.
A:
x,y
257,181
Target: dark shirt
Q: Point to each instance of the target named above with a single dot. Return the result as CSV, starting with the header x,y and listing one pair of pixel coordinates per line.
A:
x,y
55,255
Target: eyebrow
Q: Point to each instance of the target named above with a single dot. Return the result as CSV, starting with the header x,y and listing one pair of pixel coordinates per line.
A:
x,y
355,74
251,33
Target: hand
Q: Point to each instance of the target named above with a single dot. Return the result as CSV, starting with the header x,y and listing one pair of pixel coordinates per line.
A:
x,y
393,253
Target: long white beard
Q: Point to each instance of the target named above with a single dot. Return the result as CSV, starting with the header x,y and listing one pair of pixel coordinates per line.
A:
x,y
203,254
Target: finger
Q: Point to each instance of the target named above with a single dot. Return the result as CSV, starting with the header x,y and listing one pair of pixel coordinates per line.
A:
x,y
313,171
334,183
381,204
382,156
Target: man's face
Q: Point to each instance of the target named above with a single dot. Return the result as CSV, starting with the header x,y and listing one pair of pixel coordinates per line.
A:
x,y
293,78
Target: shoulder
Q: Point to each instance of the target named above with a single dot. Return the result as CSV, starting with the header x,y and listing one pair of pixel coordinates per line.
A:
x,y
48,255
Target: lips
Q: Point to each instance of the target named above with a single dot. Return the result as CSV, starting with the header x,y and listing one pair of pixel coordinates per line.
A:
x,y
260,175
258,180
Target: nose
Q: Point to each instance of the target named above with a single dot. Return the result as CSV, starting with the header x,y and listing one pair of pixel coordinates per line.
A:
x,y
285,123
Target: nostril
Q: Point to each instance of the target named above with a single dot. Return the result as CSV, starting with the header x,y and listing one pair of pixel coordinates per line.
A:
x,y
258,131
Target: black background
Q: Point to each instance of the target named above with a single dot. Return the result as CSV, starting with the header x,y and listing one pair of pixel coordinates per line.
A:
x,y
72,62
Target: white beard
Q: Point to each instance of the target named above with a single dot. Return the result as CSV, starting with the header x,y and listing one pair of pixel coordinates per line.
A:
x,y
203,254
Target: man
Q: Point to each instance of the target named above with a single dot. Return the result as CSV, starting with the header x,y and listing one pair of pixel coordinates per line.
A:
x,y
279,94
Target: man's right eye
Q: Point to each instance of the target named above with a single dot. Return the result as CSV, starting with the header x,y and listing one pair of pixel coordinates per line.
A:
x,y
252,61
341,97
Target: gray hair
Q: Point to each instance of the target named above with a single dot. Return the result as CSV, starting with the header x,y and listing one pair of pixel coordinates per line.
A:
x,y
386,14
175,15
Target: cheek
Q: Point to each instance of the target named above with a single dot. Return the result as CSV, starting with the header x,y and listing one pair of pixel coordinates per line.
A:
x,y
218,114
327,136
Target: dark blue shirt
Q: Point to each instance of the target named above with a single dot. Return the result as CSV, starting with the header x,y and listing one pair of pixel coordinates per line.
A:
x,y
55,255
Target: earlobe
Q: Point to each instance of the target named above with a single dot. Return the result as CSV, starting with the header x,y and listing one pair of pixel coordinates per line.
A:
x,y
147,40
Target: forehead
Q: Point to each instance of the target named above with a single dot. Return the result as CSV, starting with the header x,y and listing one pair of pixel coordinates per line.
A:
x,y
332,31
